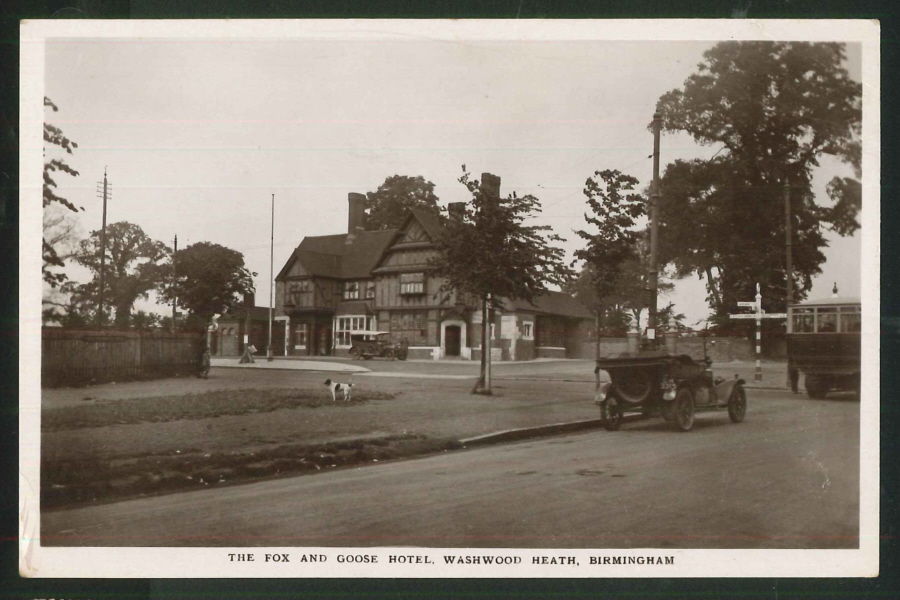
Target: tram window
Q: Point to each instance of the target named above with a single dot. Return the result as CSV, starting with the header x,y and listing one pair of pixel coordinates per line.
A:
x,y
851,320
804,320
827,321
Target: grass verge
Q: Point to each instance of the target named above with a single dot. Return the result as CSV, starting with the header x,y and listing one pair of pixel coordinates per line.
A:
x,y
65,483
192,406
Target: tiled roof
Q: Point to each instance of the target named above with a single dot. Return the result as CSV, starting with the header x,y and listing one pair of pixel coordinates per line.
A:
x,y
332,256
553,303
430,221
257,313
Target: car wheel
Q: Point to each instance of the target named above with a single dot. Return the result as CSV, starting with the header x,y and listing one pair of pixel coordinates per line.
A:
x,y
354,353
613,417
684,409
389,353
737,404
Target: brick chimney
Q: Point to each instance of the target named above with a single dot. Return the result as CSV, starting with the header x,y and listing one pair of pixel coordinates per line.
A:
x,y
456,210
490,185
249,300
357,213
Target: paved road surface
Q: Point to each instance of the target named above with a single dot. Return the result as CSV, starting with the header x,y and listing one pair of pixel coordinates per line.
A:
x,y
785,478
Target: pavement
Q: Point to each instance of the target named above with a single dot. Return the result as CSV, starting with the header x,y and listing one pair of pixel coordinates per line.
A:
x,y
773,377
290,365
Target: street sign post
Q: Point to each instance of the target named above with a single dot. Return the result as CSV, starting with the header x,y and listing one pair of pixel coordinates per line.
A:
x,y
759,314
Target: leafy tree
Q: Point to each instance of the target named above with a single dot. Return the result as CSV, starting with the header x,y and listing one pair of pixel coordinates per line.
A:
x,y
211,279
614,316
74,306
144,321
134,267
615,209
54,136
669,320
388,205
773,109
488,252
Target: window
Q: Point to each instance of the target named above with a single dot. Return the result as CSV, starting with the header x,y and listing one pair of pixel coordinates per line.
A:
x,y
298,292
551,333
410,325
351,290
827,320
412,283
527,330
347,324
301,333
851,319
804,320
370,289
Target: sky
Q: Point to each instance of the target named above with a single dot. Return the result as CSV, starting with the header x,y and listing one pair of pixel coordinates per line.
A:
x,y
197,135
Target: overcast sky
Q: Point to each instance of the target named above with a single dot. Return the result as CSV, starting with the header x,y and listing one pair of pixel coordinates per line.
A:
x,y
198,135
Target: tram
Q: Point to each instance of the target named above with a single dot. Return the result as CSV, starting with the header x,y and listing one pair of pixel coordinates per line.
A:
x,y
823,343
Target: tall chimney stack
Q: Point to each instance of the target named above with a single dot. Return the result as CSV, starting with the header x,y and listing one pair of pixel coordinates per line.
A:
x,y
357,212
456,210
490,185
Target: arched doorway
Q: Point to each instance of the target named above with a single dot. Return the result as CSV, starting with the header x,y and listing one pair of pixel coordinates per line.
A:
x,y
452,340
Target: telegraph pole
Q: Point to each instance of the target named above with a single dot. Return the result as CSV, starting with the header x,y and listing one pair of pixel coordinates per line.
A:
x,y
788,243
269,356
174,282
654,238
102,251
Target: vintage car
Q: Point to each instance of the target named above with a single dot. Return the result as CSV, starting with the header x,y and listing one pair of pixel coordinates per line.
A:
x,y
368,344
672,386
823,343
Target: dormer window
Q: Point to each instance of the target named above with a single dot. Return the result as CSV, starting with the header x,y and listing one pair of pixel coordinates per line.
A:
x,y
412,284
351,290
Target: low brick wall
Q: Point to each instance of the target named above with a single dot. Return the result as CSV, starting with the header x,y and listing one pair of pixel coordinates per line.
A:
x,y
725,349
544,352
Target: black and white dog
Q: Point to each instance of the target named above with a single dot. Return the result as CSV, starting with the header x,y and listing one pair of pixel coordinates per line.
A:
x,y
335,387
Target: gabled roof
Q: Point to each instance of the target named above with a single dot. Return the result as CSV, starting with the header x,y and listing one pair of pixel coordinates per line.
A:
x,y
553,303
332,256
430,222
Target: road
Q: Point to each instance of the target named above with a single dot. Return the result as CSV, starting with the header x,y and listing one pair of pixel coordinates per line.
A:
x,y
785,478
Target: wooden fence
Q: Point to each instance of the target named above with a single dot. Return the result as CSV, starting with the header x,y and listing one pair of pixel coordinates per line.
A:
x,y
70,357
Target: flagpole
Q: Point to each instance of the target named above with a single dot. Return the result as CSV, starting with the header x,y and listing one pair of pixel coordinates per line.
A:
x,y
269,356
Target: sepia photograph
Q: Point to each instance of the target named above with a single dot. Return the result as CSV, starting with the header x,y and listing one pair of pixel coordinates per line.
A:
x,y
449,298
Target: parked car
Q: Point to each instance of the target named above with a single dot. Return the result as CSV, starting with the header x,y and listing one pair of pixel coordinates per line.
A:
x,y
368,344
672,386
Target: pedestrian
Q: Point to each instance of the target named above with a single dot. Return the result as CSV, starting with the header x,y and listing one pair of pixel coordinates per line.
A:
x,y
205,363
247,357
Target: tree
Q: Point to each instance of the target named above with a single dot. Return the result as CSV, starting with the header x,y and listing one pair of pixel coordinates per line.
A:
x,y
53,135
73,306
487,251
134,267
388,205
211,279
614,316
773,108
615,209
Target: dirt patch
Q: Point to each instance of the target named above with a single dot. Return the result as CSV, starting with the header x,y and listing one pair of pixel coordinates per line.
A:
x,y
65,483
205,405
